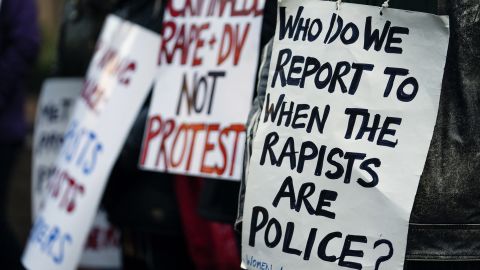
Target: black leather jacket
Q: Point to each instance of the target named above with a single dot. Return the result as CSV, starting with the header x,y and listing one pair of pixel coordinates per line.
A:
x,y
445,222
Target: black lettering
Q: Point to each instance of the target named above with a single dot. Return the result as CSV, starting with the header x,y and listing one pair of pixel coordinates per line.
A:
x,y
270,140
355,34
286,191
348,252
402,95
270,110
291,25
342,69
339,172
388,131
375,37
306,190
339,29
256,226
321,157
288,239
325,199
214,75
353,113
313,36
332,21
202,81
393,72
391,39
322,247
322,84
312,65
297,59
364,128
279,69
288,151
315,118
351,157
357,77
383,258
302,28
311,240
299,115
303,156
278,233
365,166
286,113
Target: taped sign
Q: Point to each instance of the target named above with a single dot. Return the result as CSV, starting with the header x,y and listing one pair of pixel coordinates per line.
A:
x,y
117,84
204,87
343,136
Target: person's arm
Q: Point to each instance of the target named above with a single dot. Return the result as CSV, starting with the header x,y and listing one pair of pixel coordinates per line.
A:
x,y
21,43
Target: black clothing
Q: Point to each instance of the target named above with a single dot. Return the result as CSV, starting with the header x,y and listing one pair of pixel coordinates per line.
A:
x,y
10,250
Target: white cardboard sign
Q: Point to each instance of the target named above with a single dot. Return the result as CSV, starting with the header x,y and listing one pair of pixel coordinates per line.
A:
x,y
204,88
118,81
102,250
55,107
343,136
54,111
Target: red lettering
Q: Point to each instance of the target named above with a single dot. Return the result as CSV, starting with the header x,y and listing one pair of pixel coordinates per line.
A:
x,y
254,8
168,32
223,150
195,128
207,148
92,94
236,42
223,7
183,128
239,45
227,36
150,134
187,7
179,144
124,76
92,242
64,185
182,40
170,124
199,44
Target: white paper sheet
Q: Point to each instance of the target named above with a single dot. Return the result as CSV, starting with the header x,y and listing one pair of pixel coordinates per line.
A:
x,y
321,194
204,88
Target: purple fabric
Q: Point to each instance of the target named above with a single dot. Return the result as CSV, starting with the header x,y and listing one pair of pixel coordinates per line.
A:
x,y
19,43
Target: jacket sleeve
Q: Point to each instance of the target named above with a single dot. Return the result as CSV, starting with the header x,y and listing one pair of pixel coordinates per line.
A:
x,y
252,124
21,42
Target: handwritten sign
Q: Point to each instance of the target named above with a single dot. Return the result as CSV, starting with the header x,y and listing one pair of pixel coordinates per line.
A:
x,y
54,111
102,250
118,81
55,107
343,137
204,87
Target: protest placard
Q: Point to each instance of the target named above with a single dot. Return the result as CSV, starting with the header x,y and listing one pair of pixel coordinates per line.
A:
x,y
54,110
342,140
204,88
118,81
102,250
